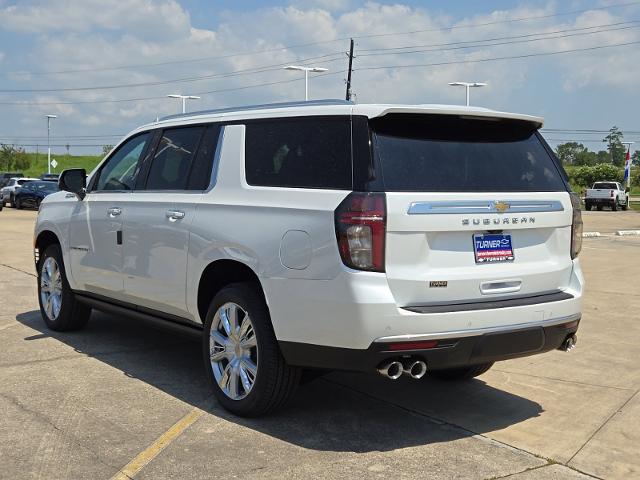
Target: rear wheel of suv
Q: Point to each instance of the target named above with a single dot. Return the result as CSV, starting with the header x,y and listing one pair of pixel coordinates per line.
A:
x,y
463,373
625,205
614,205
59,307
241,354
17,204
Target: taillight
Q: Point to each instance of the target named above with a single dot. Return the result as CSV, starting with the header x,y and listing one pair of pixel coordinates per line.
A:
x,y
611,193
576,226
361,221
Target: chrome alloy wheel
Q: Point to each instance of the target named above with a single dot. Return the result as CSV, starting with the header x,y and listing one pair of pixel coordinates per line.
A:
x,y
233,351
51,288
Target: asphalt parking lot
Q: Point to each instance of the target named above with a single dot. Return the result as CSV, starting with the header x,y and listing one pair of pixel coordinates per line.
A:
x,y
121,400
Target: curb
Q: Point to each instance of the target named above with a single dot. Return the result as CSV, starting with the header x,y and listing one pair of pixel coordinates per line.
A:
x,y
627,232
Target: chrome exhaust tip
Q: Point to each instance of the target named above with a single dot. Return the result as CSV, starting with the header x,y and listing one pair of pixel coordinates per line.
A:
x,y
391,369
569,344
416,369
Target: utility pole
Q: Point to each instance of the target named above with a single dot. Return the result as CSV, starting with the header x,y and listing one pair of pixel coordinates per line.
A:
x,y
349,73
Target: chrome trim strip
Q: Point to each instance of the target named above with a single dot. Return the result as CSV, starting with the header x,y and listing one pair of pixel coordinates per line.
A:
x,y
478,331
484,206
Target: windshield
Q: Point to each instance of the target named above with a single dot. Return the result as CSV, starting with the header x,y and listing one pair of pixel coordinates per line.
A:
x,y
43,186
437,153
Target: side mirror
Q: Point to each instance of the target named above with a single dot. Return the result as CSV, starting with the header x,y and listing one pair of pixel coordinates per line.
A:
x,y
627,189
74,180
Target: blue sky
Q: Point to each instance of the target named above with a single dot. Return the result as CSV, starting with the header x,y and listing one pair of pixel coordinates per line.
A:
x,y
121,57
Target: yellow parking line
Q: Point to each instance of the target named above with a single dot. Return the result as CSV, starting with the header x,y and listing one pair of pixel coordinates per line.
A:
x,y
163,441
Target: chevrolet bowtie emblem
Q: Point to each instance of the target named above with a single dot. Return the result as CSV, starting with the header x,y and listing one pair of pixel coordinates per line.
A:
x,y
501,206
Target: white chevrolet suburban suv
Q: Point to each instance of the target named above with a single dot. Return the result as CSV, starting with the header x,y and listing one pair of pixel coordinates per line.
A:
x,y
404,240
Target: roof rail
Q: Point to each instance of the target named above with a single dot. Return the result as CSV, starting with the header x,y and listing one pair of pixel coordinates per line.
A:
x,y
307,103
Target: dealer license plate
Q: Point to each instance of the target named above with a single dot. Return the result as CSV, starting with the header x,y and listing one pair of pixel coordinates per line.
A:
x,y
492,248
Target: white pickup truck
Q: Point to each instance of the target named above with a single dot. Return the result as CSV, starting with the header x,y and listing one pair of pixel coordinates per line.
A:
x,y
611,194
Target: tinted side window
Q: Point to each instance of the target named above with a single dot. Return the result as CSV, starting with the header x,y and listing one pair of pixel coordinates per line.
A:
x,y
309,152
121,170
201,170
173,157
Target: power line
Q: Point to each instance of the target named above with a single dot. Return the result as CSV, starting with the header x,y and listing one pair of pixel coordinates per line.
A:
x,y
588,131
246,71
140,99
521,19
274,67
324,42
482,43
512,57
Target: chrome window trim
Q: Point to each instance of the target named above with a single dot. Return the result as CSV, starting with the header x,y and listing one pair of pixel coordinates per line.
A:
x,y
478,331
483,206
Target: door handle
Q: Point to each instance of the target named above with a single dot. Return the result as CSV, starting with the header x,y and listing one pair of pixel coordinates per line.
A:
x,y
174,215
500,286
114,211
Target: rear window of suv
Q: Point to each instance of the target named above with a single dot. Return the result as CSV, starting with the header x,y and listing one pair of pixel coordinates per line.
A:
x,y
299,152
448,153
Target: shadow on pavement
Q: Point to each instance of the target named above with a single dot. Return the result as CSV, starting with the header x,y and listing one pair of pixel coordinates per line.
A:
x,y
328,414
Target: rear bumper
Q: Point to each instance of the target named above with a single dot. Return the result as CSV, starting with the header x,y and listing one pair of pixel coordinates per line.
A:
x,y
600,201
455,349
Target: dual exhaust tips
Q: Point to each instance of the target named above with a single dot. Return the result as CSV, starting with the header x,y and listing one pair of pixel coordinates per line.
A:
x,y
394,369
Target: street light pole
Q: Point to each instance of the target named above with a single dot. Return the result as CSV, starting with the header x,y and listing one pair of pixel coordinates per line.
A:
x,y
184,99
49,117
468,86
306,71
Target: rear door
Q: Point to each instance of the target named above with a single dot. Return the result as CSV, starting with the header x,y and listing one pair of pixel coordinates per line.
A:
x,y
158,215
477,209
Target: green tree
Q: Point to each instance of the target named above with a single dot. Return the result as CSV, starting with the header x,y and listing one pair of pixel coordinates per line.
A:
x,y
106,149
13,158
635,158
615,147
587,175
569,152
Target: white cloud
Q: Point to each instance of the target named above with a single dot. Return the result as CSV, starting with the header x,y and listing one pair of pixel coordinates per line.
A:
x,y
164,18
92,34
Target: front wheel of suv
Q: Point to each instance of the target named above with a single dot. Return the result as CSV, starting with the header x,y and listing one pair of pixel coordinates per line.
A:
x,y
59,307
242,359
464,373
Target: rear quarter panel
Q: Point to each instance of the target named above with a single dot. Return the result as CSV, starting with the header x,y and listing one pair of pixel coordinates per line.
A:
x,y
240,222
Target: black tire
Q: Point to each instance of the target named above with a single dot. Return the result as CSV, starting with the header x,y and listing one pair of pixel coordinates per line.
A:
x,y
614,205
464,373
588,206
275,381
12,201
599,208
17,203
625,206
72,314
